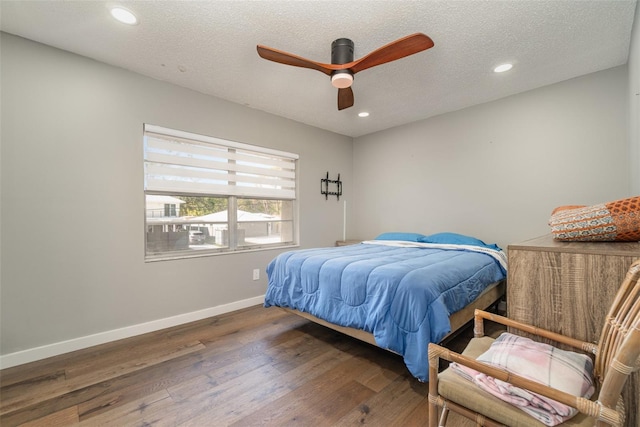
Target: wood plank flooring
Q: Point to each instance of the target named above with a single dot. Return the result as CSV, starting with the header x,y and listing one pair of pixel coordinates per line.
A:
x,y
252,367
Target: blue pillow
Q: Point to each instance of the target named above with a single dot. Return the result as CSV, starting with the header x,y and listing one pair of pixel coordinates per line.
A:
x,y
456,239
409,237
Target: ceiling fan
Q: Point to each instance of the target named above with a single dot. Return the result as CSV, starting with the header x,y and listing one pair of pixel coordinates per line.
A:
x,y
343,67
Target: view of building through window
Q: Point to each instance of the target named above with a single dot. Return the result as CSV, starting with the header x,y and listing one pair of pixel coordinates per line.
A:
x,y
187,223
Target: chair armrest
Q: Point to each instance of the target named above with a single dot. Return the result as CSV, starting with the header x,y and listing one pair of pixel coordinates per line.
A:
x,y
586,406
481,315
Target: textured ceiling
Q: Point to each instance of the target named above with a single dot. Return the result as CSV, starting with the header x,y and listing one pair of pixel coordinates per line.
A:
x,y
210,46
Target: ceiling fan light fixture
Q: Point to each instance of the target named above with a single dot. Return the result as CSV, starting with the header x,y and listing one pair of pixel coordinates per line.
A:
x,y
341,80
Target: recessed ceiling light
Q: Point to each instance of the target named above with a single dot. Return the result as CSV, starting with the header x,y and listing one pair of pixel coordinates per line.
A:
x,y
502,68
363,114
123,15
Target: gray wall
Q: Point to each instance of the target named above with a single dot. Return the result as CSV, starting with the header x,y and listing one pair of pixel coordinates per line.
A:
x,y
497,170
72,240
634,104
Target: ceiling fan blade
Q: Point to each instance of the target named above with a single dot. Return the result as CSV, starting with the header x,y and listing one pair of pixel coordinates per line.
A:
x,y
286,58
345,98
395,50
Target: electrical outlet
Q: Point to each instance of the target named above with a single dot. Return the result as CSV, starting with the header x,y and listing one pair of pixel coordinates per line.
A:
x,y
256,274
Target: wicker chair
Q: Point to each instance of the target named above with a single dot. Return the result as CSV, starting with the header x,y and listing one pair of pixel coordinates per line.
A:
x,y
616,356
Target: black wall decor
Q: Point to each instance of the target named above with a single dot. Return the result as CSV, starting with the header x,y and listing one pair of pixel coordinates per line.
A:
x,y
324,187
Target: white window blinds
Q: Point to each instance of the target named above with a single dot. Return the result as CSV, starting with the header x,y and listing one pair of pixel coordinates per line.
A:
x,y
179,162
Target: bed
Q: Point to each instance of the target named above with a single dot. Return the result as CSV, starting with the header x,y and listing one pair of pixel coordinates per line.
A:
x,y
400,291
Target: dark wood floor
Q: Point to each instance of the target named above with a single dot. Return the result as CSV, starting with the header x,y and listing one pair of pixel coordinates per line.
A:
x,y
252,367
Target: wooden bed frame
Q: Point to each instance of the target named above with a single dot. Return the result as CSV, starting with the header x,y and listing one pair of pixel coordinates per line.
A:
x,y
486,299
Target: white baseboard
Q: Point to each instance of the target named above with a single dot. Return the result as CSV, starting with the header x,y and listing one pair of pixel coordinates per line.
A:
x,y
39,353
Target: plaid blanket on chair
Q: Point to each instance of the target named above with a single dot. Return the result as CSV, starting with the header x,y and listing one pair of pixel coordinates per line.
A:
x,y
563,370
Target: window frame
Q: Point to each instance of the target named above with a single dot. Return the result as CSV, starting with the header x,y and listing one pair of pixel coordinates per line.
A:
x,y
186,138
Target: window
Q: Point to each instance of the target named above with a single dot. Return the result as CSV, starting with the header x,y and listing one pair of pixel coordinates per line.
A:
x,y
207,195
170,210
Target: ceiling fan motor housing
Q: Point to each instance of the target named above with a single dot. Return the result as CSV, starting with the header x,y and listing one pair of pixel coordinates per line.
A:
x,y
341,53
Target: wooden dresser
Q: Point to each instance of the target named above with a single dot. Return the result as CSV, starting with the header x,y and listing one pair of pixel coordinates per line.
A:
x,y
567,287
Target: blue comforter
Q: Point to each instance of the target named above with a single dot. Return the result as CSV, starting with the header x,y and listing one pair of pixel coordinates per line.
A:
x,y
402,293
